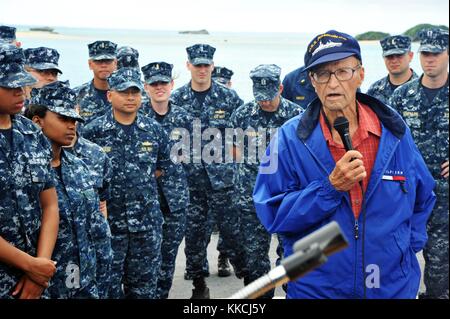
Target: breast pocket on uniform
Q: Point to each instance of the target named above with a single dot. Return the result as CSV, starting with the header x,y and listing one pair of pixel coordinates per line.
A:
x,y
219,117
38,173
147,157
412,119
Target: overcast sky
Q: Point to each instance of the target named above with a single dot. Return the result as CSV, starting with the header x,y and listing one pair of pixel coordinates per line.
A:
x,y
350,16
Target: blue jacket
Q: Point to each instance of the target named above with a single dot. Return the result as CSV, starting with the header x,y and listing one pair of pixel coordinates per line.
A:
x,y
298,199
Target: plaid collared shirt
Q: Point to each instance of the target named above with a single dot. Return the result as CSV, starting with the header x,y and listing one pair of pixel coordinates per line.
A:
x,y
365,140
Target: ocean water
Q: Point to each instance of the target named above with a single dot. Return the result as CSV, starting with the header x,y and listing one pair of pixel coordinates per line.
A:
x,y
240,52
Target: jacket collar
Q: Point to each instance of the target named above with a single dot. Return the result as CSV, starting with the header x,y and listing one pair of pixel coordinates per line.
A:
x,y
111,124
387,116
188,93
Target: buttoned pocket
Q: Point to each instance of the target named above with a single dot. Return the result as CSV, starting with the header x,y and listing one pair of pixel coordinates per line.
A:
x,y
38,173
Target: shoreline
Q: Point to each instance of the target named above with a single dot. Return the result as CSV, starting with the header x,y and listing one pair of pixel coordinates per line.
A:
x,y
45,35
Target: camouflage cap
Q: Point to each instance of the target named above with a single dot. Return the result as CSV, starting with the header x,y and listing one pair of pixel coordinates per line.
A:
x,y
396,44
433,40
12,72
124,79
266,81
7,34
102,50
42,58
157,72
222,74
127,57
58,97
200,54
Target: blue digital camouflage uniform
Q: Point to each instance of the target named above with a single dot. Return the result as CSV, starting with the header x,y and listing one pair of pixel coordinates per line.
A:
x,y
78,204
398,45
172,190
42,58
259,127
134,212
7,34
298,88
74,251
223,75
24,172
429,122
91,104
100,169
210,183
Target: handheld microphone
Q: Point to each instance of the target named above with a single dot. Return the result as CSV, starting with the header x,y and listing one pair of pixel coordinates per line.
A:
x,y
341,126
309,253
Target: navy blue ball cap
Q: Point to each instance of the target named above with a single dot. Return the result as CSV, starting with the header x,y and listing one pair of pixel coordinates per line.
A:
x,y
331,46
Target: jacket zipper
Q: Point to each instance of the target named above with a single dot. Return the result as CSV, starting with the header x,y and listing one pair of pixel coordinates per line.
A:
x,y
356,237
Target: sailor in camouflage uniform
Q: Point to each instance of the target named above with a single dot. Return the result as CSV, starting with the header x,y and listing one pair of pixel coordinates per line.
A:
x,y
128,57
42,63
258,120
174,193
8,36
210,179
397,56
91,96
53,109
223,76
28,200
137,147
100,168
424,106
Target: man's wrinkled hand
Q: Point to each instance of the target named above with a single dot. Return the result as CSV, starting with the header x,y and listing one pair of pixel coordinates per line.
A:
x,y
349,170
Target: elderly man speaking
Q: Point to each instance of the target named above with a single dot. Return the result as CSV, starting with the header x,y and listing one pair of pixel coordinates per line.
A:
x,y
377,187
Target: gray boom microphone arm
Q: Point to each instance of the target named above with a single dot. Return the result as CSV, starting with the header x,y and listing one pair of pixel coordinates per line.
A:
x,y
309,253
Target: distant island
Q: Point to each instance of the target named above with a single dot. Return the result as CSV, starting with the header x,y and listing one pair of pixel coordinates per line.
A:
x,y
412,33
202,31
43,29
372,35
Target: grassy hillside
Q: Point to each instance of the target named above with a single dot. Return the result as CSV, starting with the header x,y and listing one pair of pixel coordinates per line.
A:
x,y
371,35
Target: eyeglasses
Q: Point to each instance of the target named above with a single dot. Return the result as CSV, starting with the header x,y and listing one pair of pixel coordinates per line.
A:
x,y
343,74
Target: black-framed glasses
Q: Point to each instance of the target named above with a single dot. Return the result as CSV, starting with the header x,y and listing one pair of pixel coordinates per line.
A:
x,y
342,74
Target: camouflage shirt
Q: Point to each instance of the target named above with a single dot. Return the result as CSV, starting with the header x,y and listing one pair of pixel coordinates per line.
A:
x,y
428,121
133,205
98,163
215,112
258,129
172,187
78,204
24,173
383,88
91,104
